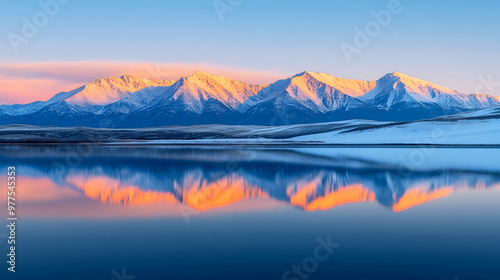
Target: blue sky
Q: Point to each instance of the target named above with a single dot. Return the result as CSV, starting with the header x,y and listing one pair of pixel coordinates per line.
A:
x,y
451,43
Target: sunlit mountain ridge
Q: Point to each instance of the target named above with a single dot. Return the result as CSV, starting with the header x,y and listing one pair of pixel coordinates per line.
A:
x,y
202,98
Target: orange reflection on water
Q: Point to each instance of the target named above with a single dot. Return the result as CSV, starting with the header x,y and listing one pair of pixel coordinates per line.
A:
x,y
311,194
349,194
304,193
202,195
206,196
110,190
418,196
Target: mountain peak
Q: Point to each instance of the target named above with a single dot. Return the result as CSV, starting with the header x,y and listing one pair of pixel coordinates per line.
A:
x,y
399,74
398,89
129,77
316,75
201,86
322,97
124,79
414,83
109,90
203,77
349,87
305,73
201,74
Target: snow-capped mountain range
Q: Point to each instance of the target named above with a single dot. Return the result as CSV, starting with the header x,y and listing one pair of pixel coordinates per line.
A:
x,y
203,98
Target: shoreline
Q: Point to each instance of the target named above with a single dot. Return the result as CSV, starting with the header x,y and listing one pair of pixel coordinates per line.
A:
x,y
256,144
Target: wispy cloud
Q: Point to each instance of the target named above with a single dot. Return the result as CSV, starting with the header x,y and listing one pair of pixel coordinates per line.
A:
x,y
27,82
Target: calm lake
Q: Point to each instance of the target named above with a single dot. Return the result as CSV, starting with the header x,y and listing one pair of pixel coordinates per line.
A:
x,y
155,212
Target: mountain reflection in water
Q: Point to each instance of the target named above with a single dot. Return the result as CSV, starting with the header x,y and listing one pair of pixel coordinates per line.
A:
x,y
206,178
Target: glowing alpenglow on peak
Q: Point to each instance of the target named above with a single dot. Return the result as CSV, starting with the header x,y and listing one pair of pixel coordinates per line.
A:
x,y
203,98
110,90
202,87
350,87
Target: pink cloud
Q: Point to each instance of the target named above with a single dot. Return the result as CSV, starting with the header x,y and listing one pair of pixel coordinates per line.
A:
x,y
28,82
15,90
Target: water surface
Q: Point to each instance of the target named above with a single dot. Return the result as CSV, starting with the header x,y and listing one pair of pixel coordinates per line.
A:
x,y
87,211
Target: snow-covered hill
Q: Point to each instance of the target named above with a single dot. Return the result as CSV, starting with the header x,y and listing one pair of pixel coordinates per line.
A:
x,y
479,127
203,98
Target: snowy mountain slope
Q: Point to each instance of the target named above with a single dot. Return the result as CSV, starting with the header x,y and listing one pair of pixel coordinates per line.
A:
x,y
200,98
478,132
134,100
480,127
203,98
97,93
201,87
25,109
107,91
472,128
307,98
213,132
400,89
353,88
488,113
316,91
